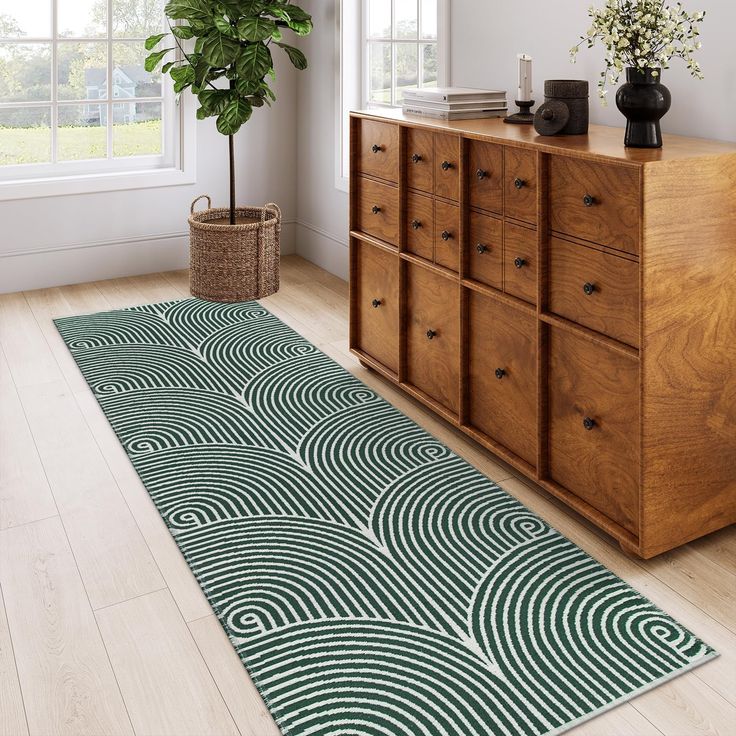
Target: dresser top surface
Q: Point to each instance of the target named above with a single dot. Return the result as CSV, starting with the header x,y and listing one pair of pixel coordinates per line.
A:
x,y
600,142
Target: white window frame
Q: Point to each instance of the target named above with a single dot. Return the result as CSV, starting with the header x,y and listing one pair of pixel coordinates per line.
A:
x,y
351,82
175,166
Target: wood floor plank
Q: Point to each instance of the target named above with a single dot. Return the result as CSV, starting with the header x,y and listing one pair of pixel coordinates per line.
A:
x,y
67,683
176,573
687,706
166,685
24,491
113,558
719,548
29,358
624,720
240,694
180,281
120,293
12,712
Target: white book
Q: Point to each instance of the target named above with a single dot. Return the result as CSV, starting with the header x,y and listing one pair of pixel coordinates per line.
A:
x,y
411,109
453,94
457,106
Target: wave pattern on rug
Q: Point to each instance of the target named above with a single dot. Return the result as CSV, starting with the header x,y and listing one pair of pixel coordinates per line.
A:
x,y
371,581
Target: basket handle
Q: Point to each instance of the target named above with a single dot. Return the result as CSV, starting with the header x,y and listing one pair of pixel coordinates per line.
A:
x,y
201,196
274,207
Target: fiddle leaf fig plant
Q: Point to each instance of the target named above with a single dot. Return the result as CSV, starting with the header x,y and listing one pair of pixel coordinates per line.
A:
x,y
229,65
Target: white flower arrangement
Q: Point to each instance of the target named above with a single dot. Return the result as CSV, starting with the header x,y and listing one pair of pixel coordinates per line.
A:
x,y
644,34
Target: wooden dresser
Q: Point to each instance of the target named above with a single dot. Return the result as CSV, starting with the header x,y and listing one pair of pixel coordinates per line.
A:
x,y
567,302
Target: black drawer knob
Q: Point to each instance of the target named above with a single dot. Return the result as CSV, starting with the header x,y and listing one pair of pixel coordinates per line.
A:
x,y
416,224
375,209
519,183
519,262
589,423
481,174
446,235
588,200
500,373
588,289
416,158
376,303
431,334
446,166
376,148
481,248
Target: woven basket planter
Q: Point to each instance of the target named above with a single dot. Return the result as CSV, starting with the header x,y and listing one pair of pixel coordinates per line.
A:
x,y
234,263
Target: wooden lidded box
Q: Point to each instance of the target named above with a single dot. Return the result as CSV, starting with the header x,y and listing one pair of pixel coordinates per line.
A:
x,y
567,302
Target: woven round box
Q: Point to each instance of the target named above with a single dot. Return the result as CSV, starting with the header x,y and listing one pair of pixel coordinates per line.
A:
x,y
234,263
565,108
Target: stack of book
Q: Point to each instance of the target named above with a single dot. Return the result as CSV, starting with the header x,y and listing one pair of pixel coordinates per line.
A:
x,y
455,103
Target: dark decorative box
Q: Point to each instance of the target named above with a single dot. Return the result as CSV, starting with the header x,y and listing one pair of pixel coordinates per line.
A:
x,y
565,108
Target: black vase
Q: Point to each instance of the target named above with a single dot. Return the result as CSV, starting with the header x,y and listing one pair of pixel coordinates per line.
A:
x,y
644,101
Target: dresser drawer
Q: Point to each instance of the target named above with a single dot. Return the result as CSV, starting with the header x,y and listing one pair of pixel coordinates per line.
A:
x,y
520,262
502,375
433,335
378,210
420,225
595,289
447,235
485,176
379,150
520,184
419,152
376,303
447,166
594,425
485,250
596,202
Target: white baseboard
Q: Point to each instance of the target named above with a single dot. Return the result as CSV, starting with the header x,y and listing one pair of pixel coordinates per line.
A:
x,y
76,264
322,248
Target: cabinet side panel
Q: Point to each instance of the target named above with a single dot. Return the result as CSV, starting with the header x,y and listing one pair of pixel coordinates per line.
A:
x,y
688,350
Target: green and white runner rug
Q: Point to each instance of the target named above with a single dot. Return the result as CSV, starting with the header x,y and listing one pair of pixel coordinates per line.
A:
x,y
372,582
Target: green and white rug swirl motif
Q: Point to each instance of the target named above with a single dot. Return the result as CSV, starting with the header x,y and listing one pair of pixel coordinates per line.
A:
x,y
372,582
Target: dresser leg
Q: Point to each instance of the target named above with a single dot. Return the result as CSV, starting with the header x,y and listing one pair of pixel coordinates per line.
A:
x,y
629,551
365,365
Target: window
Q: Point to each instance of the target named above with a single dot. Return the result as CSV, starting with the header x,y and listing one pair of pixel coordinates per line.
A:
x,y
75,97
404,46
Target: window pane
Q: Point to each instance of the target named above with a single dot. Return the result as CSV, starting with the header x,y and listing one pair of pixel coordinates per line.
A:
x,y
130,78
82,69
379,64
137,18
407,68
82,18
136,129
31,18
406,18
25,72
379,18
82,132
430,65
429,18
25,135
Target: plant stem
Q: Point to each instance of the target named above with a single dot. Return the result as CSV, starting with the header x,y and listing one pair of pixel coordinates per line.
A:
x,y
232,179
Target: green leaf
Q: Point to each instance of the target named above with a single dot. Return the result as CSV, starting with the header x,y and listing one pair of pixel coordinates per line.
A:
x,y
247,87
168,65
233,116
223,25
252,7
301,27
153,41
201,114
154,59
219,50
296,57
188,9
256,29
255,62
183,32
214,101
183,77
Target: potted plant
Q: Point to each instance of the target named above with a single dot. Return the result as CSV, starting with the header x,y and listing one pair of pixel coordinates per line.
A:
x,y
642,37
222,51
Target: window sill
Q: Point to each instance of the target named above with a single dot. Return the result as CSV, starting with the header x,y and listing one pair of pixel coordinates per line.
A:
x,y
93,183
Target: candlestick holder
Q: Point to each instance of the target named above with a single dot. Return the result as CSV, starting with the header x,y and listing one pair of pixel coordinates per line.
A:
x,y
525,116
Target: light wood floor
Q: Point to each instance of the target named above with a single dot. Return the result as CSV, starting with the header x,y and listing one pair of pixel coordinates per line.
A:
x,y
103,629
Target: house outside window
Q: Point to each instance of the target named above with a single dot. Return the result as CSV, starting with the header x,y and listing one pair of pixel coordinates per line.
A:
x,y
75,98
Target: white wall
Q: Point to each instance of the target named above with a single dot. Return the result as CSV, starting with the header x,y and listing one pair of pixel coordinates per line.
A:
x,y
486,35
70,239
